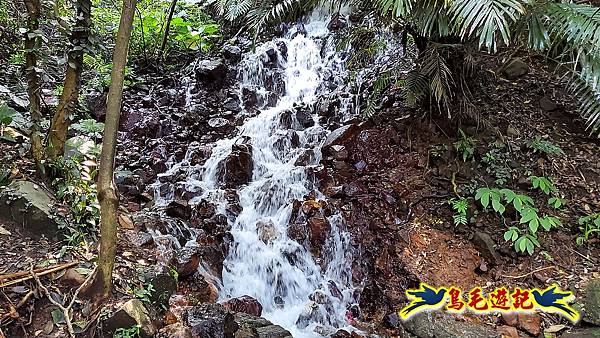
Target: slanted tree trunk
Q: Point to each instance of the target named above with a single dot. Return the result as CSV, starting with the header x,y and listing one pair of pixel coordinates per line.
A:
x,y
168,26
107,194
70,94
32,43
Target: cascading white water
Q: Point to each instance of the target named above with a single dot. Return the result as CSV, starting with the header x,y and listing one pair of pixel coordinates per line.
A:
x,y
279,272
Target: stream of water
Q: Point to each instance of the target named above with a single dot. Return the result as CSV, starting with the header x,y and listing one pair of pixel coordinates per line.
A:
x,y
294,290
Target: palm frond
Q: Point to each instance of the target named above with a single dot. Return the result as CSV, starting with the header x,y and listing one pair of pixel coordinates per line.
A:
x,y
416,86
585,86
435,67
484,18
399,8
576,23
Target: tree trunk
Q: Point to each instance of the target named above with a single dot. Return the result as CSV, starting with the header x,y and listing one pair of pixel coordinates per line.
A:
x,y
107,193
32,43
70,94
168,26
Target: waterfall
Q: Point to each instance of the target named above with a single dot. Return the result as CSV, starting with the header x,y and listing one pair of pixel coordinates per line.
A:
x,y
295,291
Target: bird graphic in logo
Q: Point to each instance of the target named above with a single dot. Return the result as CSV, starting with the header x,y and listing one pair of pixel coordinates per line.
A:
x,y
426,297
553,300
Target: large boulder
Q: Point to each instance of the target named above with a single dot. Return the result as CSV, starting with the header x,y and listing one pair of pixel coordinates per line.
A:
x,y
211,321
30,206
211,72
515,68
443,325
130,314
591,303
339,136
258,327
236,169
245,304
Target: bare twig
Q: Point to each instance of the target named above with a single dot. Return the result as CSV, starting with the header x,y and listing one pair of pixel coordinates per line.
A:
x,y
27,275
66,310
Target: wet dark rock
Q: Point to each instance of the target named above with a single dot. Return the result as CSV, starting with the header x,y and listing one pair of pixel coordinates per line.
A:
x,y
334,290
218,122
515,68
179,209
442,325
337,22
187,260
236,169
339,136
30,206
339,152
211,320
211,72
273,331
232,105
141,238
231,52
283,50
249,97
204,209
305,158
304,118
318,231
141,122
245,304
272,55
130,314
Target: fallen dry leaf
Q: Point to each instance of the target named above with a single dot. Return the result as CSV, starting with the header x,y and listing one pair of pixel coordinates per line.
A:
x,y
4,232
125,222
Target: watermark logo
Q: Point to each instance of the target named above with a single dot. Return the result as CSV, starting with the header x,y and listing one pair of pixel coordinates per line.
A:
x,y
551,299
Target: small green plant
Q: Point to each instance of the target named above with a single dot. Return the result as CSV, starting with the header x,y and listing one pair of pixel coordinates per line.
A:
x,y
437,151
75,185
525,240
6,115
460,207
539,145
130,332
4,177
556,202
496,164
89,127
589,225
144,293
174,274
543,183
465,146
